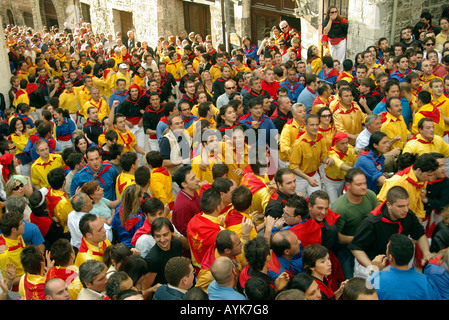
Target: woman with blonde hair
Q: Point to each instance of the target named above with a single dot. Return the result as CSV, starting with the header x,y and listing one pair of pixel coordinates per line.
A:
x,y
128,216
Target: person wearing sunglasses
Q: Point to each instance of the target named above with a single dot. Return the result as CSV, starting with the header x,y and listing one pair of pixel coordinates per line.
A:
x,y
336,28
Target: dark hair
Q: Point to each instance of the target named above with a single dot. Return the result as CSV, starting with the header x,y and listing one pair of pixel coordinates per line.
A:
x,y
280,242
127,160
154,159
222,184
10,220
241,198
175,269
210,200
180,175
424,96
375,138
355,287
279,173
85,221
401,248
12,124
135,266
223,240
352,173
113,284
311,254
56,178
300,205
61,251
219,170
256,252
257,289
151,206
301,281
73,159
142,176
396,193
426,163
31,258
159,223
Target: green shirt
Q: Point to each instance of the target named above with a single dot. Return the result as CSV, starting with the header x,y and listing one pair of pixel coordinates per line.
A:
x,y
352,214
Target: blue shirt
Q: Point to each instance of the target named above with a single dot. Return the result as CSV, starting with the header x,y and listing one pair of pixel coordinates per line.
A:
x,y
440,276
399,76
66,128
306,98
406,112
117,95
30,149
107,177
217,292
396,284
266,130
373,166
124,235
293,90
160,128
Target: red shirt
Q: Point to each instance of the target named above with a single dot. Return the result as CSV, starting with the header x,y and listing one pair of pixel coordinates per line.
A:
x,y
271,88
184,209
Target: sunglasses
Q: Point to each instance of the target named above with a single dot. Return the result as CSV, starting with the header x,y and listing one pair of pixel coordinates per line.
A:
x,y
17,187
333,12
326,115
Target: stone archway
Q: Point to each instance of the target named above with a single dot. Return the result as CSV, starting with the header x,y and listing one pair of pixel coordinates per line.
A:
x,y
48,13
10,17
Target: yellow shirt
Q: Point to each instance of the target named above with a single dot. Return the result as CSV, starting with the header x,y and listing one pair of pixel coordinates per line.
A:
x,y
83,96
439,126
91,253
192,130
261,197
40,169
288,137
12,256
204,175
194,110
235,160
418,145
161,186
195,63
124,180
75,285
334,172
393,127
34,279
307,154
23,98
127,139
19,141
215,72
442,103
119,75
172,67
68,101
102,107
22,75
237,228
328,134
62,209
349,120
101,84
414,192
423,80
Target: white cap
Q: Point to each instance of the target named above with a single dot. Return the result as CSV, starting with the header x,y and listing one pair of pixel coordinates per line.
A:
x,y
123,66
43,192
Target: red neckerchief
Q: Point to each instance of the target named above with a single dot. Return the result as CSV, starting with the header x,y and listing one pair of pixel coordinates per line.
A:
x,y
410,180
98,175
331,126
437,180
434,114
31,87
292,89
377,164
164,119
313,142
93,105
415,137
151,110
378,211
131,222
120,186
310,90
437,105
325,289
162,170
340,154
13,248
223,129
384,118
127,141
33,291
184,97
344,110
84,248
45,164
332,73
275,265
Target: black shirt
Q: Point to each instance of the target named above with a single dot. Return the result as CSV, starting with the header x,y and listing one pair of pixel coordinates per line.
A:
x,y
157,258
373,234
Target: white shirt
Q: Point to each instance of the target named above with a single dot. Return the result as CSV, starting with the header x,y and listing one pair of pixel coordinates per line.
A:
x,y
362,140
73,224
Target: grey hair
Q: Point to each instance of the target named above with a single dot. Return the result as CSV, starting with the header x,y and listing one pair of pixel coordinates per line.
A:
x,y
77,201
15,203
89,270
296,106
370,118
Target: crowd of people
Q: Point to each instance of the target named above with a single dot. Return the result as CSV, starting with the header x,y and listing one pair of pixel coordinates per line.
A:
x,y
186,172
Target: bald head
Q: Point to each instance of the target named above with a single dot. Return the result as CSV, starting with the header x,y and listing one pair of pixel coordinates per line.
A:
x,y
222,270
56,289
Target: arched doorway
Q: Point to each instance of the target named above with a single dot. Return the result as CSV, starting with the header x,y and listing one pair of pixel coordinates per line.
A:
x,y
10,17
48,13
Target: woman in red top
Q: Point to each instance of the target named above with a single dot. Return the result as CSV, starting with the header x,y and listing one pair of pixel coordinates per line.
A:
x,y
317,263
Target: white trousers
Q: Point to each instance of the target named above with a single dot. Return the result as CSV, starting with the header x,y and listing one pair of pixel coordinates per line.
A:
x,y
304,187
140,139
333,188
338,52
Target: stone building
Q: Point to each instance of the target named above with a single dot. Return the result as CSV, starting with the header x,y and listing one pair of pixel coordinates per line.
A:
x,y
227,21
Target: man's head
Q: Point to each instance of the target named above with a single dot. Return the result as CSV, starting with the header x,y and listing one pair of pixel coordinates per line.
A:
x,y
225,187
285,181
92,274
318,205
42,149
356,289
426,128
355,182
210,202
400,250
119,281
224,272
228,244
241,198
295,210
180,273
285,244
81,202
186,178
93,158
397,202
92,228
425,167
162,232
312,122
257,253
394,106
56,289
